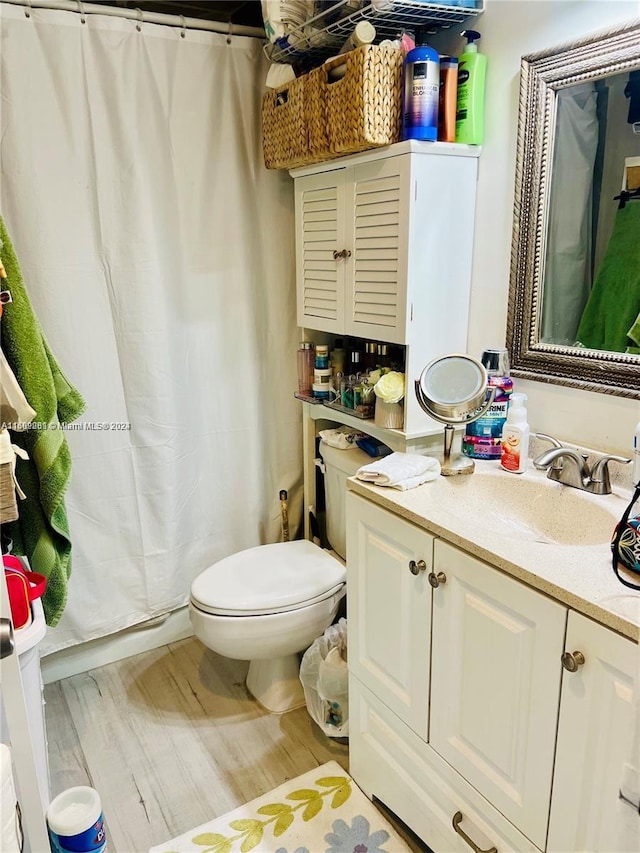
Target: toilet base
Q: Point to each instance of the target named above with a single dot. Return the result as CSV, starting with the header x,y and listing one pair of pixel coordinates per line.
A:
x,y
275,683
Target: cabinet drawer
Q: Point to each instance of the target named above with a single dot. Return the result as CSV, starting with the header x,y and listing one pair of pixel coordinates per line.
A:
x,y
389,762
390,608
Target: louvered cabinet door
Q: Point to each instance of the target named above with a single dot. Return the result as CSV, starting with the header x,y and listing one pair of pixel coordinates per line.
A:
x,y
320,236
377,233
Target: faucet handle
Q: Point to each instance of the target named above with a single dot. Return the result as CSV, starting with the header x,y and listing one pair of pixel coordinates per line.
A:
x,y
600,470
554,441
556,465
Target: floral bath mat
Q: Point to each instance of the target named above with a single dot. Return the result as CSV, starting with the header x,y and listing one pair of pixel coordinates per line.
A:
x,y
322,811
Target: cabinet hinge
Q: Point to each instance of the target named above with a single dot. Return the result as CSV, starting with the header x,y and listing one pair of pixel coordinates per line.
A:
x,y
411,316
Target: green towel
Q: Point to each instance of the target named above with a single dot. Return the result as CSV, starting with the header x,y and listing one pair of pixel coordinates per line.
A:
x,y
634,338
42,531
614,301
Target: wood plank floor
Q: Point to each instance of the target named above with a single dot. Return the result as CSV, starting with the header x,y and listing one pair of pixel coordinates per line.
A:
x,y
171,739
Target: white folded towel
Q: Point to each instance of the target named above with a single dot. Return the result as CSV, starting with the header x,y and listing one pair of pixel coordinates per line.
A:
x,y
400,471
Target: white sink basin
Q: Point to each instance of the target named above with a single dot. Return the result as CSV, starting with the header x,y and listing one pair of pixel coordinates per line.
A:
x,y
531,508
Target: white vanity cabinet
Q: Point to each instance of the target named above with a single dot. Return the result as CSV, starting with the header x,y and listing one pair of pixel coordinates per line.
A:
x,y
463,720
594,739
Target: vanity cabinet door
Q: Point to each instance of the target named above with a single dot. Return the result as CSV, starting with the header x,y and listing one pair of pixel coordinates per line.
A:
x,y
320,238
495,686
389,609
595,739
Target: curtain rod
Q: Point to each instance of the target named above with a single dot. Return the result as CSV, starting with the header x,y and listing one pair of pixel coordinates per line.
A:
x,y
138,15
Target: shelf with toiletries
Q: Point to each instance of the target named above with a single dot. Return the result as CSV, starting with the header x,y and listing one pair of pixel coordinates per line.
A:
x,y
383,251
349,379
324,34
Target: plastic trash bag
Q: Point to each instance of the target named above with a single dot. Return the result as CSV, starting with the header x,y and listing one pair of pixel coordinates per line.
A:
x,y
325,680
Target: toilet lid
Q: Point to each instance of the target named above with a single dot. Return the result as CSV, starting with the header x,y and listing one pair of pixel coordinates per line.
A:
x,y
268,579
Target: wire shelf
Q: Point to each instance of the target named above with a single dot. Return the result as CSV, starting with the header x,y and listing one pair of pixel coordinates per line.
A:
x,y
323,36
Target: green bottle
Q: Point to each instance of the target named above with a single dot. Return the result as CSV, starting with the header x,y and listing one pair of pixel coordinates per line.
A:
x,y
472,71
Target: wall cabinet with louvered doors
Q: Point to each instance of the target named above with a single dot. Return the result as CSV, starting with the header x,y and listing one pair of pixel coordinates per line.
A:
x,y
384,242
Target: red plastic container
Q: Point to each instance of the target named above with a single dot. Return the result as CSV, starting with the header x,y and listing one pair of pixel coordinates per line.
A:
x,y
23,587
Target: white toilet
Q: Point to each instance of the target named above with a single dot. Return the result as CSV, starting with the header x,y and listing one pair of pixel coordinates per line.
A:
x,y
269,603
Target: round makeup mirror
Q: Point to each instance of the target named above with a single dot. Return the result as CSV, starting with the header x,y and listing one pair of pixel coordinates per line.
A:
x,y
453,389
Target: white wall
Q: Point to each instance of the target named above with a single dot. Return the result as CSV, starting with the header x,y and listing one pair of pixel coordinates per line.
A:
x,y
510,29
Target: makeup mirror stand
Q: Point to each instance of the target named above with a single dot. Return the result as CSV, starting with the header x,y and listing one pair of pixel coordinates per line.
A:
x,y
453,390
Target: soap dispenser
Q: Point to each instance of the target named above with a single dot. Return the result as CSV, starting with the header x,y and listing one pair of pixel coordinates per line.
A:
x,y
472,70
515,437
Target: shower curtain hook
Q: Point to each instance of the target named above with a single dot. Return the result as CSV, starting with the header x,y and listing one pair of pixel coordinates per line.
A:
x,y
230,32
83,17
27,9
183,31
140,19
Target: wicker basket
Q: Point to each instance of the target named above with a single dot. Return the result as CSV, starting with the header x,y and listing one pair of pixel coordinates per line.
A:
x,y
312,118
284,130
364,107
315,113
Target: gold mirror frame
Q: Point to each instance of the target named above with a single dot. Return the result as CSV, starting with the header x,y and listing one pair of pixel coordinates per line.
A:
x,y
542,74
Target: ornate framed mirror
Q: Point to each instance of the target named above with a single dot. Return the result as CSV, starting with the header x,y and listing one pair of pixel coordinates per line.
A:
x,y
574,293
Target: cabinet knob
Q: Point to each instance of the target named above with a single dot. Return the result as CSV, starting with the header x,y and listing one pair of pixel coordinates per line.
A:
x,y
571,661
456,821
343,253
436,580
416,568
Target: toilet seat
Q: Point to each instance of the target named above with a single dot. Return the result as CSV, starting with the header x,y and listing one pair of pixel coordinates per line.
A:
x,y
268,579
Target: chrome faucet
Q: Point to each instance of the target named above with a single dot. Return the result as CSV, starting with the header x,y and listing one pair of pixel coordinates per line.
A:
x,y
567,466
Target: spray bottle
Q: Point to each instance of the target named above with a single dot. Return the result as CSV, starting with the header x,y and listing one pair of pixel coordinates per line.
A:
x,y
421,91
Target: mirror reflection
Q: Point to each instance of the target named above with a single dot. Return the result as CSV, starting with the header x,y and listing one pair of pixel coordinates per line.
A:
x,y
591,274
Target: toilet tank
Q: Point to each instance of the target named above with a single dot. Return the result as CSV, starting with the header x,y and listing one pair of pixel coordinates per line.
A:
x,y
339,464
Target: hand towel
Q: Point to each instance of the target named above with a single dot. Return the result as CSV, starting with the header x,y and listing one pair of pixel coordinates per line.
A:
x,y
614,301
400,471
42,532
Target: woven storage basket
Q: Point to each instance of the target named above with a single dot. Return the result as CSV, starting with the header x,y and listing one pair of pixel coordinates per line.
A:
x,y
315,113
364,107
284,131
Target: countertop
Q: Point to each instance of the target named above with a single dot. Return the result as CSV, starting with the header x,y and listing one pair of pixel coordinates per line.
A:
x,y
579,576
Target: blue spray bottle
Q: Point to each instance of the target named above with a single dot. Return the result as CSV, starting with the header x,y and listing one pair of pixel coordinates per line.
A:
x,y
421,91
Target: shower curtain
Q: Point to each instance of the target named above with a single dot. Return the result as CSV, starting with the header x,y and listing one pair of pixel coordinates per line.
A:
x,y
158,255
567,270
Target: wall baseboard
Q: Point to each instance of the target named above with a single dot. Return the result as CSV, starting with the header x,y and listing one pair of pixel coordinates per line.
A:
x,y
125,644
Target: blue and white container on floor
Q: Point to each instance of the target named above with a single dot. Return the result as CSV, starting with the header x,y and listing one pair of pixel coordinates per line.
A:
x,y
421,91
75,822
